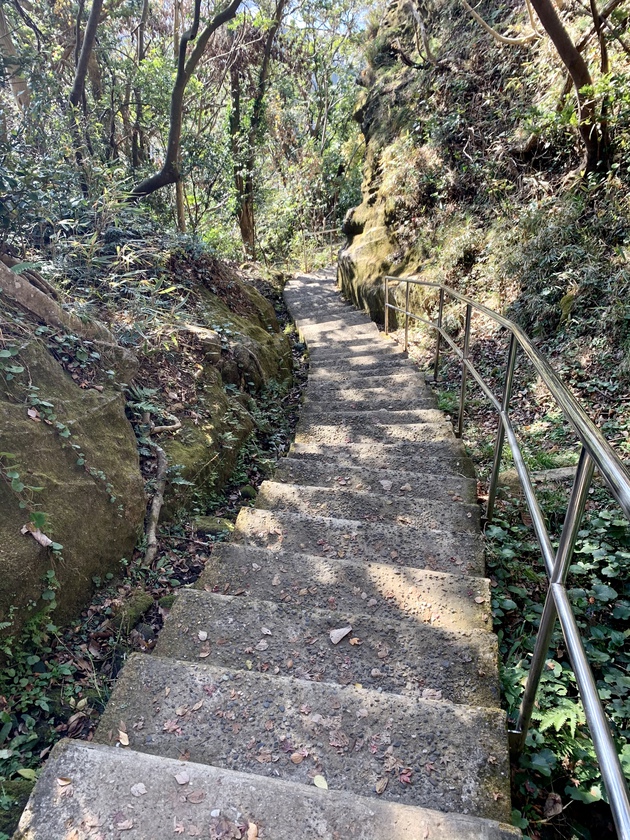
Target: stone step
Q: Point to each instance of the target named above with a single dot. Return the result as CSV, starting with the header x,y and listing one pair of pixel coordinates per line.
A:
x,y
341,330
356,347
364,541
223,804
453,601
318,473
377,506
319,414
293,730
371,362
334,430
400,656
402,383
369,399
313,320
321,308
344,396
446,455
334,378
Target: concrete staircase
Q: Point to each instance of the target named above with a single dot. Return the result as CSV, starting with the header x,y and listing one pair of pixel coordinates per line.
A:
x,y
342,639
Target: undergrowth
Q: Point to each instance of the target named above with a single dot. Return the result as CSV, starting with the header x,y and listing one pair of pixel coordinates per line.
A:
x,y
557,788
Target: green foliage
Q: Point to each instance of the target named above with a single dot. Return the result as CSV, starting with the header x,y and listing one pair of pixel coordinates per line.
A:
x,y
559,747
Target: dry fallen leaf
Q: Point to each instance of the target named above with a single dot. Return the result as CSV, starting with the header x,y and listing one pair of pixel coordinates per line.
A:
x,y
386,485
252,831
297,758
182,778
62,781
178,828
406,488
340,633
276,581
196,797
125,825
355,641
262,645
381,784
37,535
202,635
123,738
320,782
138,789
480,599
265,631
197,706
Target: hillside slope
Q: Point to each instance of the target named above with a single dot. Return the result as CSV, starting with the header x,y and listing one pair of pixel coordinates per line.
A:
x,y
472,171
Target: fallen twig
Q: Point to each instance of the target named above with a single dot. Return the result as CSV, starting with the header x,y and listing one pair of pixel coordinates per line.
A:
x,y
156,505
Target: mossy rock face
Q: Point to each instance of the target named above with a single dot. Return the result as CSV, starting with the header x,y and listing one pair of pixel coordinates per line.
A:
x,y
133,608
95,532
245,351
18,790
215,525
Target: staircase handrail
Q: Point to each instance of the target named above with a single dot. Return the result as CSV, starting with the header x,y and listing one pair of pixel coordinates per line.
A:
x,y
595,451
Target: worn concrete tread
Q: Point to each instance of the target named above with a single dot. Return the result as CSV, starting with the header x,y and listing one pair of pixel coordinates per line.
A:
x,y
332,473
452,600
377,505
294,729
224,800
400,655
364,541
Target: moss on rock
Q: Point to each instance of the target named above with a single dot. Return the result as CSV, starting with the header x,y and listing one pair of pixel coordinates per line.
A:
x,y
95,508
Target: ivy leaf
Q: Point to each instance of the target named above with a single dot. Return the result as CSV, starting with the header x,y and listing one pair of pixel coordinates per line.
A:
x,y
603,592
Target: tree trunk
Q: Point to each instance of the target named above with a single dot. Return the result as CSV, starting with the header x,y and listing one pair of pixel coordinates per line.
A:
x,y
243,142
180,206
246,212
78,86
138,139
169,174
596,153
19,86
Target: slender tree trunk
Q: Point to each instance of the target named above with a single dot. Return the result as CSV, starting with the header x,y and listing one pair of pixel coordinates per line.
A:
x,y
19,86
244,141
78,86
180,205
78,89
596,155
138,140
169,174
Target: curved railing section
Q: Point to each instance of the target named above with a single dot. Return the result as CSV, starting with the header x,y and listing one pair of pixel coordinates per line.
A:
x,y
595,452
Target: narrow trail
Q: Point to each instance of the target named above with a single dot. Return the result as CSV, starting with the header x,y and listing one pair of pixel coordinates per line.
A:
x,y
342,638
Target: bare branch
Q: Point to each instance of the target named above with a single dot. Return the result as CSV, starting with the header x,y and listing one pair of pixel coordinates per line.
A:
x,y
502,39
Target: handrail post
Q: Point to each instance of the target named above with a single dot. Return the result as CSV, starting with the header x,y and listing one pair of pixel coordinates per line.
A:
x,y
436,364
407,317
462,394
564,554
498,446
386,305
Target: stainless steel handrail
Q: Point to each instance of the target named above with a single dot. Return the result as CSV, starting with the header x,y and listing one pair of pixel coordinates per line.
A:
x,y
595,452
